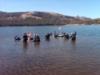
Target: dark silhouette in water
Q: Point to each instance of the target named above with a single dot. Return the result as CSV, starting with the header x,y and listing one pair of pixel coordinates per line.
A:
x,y
25,37
66,35
55,34
73,36
36,38
17,38
25,41
47,36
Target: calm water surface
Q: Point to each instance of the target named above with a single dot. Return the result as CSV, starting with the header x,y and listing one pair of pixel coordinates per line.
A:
x,y
54,57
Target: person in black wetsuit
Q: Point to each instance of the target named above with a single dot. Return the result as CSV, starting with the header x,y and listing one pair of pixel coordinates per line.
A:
x,y
25,37
17,38
47,36
73,36
36,38
66,35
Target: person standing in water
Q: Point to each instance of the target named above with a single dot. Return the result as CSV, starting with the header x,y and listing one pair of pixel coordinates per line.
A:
x,y
36,38
73,36
25,37
29,34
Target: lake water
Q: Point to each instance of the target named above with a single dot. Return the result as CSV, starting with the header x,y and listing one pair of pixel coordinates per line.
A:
x,y
54,57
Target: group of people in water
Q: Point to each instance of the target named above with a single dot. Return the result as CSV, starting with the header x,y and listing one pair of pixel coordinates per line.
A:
x,y
63,34
29,36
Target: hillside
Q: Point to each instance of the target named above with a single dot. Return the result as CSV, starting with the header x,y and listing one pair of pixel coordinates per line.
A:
x,y
40,18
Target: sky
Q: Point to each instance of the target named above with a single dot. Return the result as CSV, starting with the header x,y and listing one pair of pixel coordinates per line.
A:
x,y
86,8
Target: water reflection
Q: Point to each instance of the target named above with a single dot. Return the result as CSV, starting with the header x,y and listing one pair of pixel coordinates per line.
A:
x,y
65,39
73,42
25,45
36,44
47,40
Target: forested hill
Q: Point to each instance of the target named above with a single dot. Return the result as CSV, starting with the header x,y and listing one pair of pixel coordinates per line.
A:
x,y
41,18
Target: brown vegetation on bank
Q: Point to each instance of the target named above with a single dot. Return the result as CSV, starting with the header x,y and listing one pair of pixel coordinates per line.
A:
x,y
41,18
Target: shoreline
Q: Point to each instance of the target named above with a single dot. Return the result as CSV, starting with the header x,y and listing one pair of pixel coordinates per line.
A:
x,y
22,25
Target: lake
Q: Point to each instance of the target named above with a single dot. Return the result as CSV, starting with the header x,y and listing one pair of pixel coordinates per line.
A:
x,y
54,57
